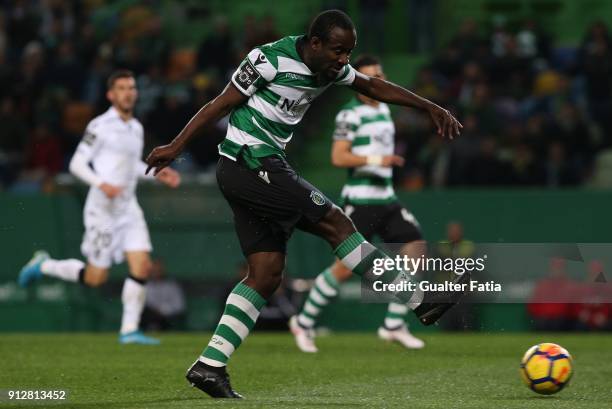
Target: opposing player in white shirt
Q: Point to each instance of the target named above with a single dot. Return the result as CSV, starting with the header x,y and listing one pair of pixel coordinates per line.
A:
x,y
108,159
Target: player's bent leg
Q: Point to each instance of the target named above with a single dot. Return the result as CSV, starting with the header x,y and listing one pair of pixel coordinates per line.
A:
x,y
340,272
335,227
324,290
265,272
242,309
359,256
133,298
352,249
139,264
396,312
94,276
42,264
395,316
243,306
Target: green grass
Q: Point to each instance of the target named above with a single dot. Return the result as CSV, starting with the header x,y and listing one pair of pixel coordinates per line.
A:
x,y
351,371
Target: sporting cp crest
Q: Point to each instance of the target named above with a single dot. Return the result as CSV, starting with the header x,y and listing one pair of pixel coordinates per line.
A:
x,y
317,198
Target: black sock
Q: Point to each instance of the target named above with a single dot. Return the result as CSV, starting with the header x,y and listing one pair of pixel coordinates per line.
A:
x,y
141,281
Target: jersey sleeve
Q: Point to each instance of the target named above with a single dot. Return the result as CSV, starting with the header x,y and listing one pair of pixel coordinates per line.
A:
x,y
141,168
346,76
255,71
141,165
79,164
91,142
347,122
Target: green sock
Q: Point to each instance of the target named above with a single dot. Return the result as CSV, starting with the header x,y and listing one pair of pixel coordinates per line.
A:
x,y
396,313
325,288
357,254
241,311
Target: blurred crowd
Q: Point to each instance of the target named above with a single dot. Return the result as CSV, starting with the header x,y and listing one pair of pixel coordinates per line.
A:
x,y
55,57
533,113
560,303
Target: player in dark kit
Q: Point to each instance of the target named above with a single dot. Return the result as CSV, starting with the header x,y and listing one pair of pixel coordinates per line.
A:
x,y
266,99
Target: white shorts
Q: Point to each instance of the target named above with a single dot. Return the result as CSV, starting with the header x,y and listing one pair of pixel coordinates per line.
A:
x,y
109,236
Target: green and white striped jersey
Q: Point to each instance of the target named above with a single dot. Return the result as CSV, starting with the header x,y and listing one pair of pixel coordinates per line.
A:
x,y
280,88
371,131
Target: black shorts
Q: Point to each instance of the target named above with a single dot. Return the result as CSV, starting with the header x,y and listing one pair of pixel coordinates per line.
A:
x,y
269,202
392,222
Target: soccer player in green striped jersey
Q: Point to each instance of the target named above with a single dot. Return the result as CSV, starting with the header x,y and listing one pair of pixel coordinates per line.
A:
x,y
364,142
265,100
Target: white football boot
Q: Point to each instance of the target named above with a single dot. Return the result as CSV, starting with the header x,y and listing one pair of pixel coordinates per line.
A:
x,y
304,337
401,335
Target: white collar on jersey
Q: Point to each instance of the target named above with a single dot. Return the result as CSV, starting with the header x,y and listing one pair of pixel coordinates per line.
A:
x,y
113,113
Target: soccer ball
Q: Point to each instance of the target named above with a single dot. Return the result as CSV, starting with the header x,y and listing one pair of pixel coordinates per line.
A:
x,y
546,368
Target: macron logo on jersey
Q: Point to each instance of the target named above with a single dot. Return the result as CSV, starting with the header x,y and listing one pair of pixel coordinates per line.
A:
x,y
260,59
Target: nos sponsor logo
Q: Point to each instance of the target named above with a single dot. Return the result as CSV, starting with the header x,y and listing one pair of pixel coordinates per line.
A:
x,y
295,106
288,104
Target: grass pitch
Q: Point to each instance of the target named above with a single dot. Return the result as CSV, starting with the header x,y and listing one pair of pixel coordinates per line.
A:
x,y
350,371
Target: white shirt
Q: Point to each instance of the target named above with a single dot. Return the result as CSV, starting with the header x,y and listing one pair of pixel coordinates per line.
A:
x,y
113,147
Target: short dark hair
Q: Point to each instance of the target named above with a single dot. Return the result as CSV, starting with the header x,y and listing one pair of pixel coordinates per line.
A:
x,y
364,60
324,23
116,75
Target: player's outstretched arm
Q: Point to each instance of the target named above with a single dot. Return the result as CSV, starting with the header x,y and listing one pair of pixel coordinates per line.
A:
x,y
169,177
391,93
79,164
343,157
208,115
